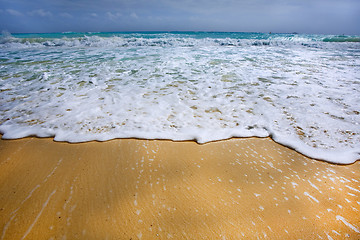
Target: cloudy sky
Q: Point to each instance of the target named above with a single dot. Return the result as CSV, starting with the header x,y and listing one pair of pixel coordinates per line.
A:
x,y
303,16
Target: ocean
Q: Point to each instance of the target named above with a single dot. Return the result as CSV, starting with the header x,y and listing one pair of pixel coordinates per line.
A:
x,y
301,90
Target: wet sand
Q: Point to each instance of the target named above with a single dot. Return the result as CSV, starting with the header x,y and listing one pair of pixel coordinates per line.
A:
x,y
247,188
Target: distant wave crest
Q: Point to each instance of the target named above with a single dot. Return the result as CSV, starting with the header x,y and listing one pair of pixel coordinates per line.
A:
x,y
342,39
9,41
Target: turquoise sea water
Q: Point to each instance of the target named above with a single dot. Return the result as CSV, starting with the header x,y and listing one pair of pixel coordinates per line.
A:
x,y
195,35
301,90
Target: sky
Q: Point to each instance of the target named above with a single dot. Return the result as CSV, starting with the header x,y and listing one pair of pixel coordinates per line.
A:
x,y
286,16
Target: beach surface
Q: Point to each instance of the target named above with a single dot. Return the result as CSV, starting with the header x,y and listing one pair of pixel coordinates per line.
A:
x,y
246,188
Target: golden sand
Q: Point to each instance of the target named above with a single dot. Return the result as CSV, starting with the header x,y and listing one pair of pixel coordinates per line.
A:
x,y
147,189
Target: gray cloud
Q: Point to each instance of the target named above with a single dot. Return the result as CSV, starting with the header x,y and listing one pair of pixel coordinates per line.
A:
x,y
308,16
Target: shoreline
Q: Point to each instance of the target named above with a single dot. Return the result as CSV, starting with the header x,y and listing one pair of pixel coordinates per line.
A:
x,y
328,156
145,189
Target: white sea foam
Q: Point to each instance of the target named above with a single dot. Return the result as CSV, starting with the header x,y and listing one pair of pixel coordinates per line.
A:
x,y
354,228
303,93
167,40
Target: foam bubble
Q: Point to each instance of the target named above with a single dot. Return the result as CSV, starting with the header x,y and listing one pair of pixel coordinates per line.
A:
x,y
170,87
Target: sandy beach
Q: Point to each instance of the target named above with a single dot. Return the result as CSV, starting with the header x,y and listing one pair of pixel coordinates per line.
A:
x,y
251,188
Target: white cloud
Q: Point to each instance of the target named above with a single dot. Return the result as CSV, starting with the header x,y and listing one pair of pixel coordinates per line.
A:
x,y
66,15
94,15
41,13
113,16
133,15
14,12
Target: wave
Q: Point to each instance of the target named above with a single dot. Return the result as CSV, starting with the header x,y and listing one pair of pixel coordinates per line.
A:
x,y
168,39
205,86
342,38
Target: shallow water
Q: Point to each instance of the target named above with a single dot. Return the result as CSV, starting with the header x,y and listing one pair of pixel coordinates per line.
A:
x,y
302,90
